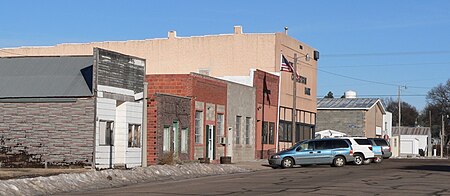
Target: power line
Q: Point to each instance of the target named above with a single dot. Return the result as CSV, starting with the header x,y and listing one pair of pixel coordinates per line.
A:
x,y
353,78
388,53
370,81
387,65
403,95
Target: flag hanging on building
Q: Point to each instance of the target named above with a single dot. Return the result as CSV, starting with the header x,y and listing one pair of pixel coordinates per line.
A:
x,y
286,65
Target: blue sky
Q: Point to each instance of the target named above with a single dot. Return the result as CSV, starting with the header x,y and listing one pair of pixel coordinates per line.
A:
x,y
367,46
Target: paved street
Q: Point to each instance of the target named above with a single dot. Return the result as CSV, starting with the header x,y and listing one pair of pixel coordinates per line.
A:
x,y
392,177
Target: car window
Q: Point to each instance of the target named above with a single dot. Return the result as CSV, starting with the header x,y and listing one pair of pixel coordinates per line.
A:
x,y
305,146
362,141
339,144
322,145
381,142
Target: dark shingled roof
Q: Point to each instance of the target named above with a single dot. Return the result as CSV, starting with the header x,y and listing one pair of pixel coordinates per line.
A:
x,y
34,77
411,131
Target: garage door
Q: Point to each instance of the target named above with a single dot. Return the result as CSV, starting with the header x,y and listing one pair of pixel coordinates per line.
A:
x,y
406,147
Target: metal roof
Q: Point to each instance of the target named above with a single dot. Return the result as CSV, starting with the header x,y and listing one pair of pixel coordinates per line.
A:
x,y
26,77
348,103
411,131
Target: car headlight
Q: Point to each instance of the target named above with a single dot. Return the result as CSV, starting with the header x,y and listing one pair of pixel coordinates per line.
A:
x,y
275,156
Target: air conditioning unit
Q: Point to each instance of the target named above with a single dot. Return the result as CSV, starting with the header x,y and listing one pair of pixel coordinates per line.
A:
x,y
222,140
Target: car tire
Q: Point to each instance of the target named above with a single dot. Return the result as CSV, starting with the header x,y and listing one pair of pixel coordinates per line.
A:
x,y
338,161
377,159
367,161
287,162
358,159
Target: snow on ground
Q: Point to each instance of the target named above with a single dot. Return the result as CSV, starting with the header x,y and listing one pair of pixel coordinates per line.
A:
x,y
111,178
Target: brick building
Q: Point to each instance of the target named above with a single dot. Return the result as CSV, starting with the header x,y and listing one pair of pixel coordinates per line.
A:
x,y
71,110
267,87
232,54
208,100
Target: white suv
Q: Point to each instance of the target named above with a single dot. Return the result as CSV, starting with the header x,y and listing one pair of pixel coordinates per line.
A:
x,y
362,150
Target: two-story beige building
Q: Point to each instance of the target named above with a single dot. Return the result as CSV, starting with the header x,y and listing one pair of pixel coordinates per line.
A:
x,y
233,54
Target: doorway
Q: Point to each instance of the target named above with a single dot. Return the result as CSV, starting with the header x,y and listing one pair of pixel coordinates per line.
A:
x,y
210,142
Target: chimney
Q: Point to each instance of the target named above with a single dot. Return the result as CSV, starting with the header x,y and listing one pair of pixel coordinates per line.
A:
x,y
237,29
286,30
172,34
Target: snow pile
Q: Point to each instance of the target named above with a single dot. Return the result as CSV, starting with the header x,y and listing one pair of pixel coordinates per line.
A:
x,y
111,178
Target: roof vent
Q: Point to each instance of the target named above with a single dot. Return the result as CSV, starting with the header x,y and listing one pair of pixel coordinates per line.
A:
x,y
350,94
237,29
172,34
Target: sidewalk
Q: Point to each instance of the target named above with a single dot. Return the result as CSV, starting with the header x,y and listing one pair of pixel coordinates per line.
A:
x,y
254,165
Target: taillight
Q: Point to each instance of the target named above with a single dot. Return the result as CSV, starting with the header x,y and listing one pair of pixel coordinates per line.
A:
x,y
370,147
351,152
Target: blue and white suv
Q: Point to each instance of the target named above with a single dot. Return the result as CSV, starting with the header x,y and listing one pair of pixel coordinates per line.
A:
x,y
362,150
336,152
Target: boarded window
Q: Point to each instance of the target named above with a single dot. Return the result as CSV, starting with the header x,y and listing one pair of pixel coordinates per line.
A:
x,y
247,129
220,125
198,127
268,132
106,133
134,135
238,129
166,139
307,91
184,140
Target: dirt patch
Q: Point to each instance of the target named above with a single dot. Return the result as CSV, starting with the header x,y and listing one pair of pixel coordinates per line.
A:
x,y
15,173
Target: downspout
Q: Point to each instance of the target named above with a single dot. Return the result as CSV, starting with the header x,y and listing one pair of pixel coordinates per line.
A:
x,y
144,127
277,144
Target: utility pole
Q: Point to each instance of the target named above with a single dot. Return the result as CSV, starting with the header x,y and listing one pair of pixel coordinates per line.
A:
x,y
399,121
294,99
442,137
399,110
399,118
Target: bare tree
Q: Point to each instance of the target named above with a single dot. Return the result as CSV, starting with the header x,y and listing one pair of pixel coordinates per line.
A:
x,y
329,95
438,99
409,113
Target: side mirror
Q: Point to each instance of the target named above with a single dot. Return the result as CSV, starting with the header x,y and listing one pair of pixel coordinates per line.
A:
x,y
299,149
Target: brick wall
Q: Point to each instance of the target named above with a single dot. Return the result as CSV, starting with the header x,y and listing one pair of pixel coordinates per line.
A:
x,y
270,110
57,133
198,87
175,84
170,109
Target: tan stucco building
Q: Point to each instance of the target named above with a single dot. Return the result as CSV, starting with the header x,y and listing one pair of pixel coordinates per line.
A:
x,y
219,55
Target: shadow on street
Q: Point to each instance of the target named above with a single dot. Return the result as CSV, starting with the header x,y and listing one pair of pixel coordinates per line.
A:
x,y
444,168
